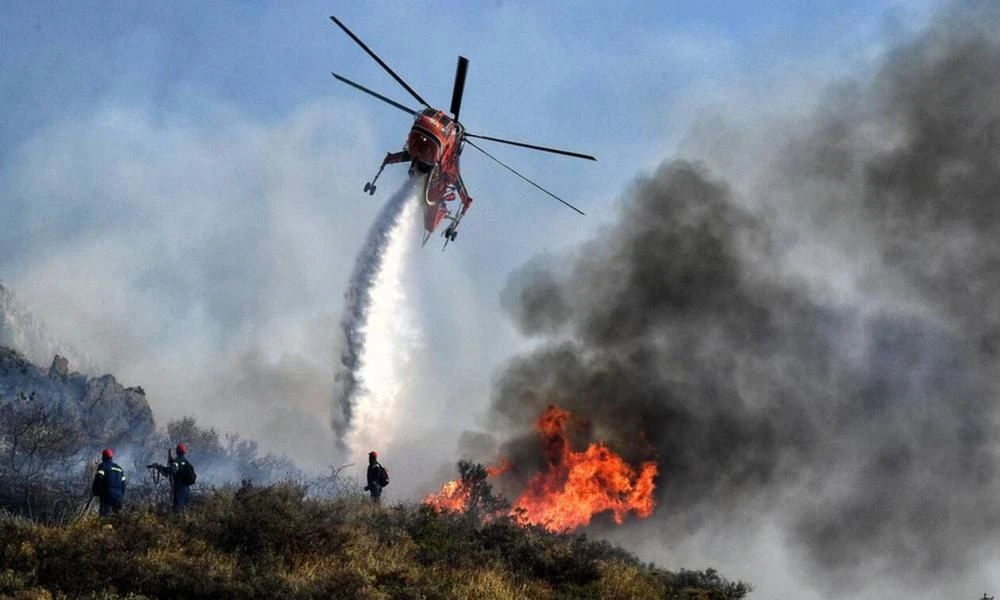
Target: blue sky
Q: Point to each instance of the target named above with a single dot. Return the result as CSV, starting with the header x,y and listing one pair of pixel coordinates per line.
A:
x,y
180,183
90,82
593,76
263,56
602,77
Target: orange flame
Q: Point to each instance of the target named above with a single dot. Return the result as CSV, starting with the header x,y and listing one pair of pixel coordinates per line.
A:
x,y
579,485
575,486
500,469
453,497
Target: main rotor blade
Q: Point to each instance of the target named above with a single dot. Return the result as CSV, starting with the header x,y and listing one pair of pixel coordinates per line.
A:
x,y
509,168
532,146
379,61
456,94
376,94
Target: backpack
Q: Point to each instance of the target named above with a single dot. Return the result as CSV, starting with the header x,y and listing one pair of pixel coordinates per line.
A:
x,y
383,476
186,474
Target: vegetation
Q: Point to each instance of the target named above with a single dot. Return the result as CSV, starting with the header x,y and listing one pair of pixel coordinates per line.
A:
x,y
40,474
295,536
482,503
278,541
47,460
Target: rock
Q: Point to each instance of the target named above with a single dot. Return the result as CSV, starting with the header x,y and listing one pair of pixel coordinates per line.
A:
x,y
59,368
105,412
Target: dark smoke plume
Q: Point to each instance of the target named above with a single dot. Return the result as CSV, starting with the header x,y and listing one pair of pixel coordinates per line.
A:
x,y
683,334
357,301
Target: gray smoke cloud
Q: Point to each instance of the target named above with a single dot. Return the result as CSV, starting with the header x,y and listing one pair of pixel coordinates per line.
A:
x,y
852,397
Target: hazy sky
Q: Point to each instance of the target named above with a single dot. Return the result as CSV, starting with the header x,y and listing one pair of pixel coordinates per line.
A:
x,y
180,185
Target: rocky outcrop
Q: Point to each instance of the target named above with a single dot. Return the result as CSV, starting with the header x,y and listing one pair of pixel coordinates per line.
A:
x,y
59,368
105,412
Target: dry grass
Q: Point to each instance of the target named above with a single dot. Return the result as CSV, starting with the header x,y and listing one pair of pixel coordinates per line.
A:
x,y
274,542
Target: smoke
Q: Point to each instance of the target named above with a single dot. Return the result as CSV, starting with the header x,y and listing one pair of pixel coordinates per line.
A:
x,y
818,351
23,331
197,257
377,324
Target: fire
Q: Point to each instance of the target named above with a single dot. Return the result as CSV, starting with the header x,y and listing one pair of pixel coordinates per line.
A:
x,y
453,497
500,469
578,485
471,491
575,485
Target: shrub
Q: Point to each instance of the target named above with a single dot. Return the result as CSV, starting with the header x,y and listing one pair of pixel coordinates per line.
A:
x,y
257,541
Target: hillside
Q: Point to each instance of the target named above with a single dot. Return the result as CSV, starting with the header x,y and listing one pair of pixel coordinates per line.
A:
x,y
308,539
275,541
54,424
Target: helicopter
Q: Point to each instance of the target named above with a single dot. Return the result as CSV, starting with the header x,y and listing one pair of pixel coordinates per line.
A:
x,y
433,148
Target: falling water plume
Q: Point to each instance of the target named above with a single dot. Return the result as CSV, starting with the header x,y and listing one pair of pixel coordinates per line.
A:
x,y
372,304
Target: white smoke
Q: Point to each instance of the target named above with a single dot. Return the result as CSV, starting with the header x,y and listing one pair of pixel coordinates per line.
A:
x,y
23,331
380,326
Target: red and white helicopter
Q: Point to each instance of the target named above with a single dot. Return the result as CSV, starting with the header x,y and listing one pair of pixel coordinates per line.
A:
x,y
434,146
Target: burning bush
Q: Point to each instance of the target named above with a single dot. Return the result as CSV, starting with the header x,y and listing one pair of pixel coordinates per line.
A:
x,y
470,493
573,488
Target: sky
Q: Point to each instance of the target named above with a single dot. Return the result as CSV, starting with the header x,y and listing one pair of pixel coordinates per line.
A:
x,y
180,190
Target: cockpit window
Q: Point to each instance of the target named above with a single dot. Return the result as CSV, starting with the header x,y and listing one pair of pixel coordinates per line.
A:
x,y
443,121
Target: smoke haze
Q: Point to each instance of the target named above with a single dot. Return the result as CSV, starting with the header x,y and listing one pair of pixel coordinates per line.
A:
x,y
813,358
201,260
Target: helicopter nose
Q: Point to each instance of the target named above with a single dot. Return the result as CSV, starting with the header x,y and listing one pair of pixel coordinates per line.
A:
x,y
423,148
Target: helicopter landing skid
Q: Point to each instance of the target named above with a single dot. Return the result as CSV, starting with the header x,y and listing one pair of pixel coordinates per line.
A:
x,y
451,232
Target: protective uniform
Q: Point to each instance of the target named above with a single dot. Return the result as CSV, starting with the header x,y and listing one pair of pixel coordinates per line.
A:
x,y
173,470
374,486
109,484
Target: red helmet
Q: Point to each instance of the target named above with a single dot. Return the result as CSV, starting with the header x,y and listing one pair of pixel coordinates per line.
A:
x,y
182,448
108,453
373,454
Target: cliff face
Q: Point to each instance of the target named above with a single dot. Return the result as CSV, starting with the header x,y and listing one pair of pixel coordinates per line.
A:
x,y
105,412
22,331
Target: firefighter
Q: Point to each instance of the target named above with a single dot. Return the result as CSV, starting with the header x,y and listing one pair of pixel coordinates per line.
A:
x,y
182,475
109,483
378,477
